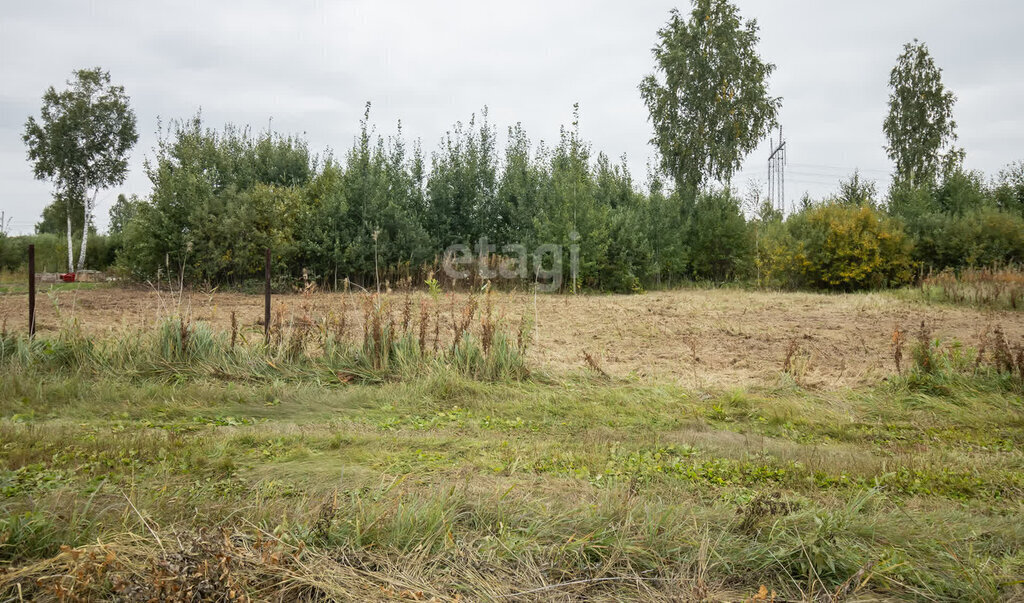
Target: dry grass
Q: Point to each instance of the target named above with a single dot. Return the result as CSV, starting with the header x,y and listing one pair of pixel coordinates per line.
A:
x,y
223,565
998,288
696,338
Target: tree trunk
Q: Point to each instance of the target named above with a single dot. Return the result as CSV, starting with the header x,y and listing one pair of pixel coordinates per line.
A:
x,y
87,219
71,249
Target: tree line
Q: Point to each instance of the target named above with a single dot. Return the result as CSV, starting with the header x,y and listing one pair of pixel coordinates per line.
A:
x,y
388,210
385,208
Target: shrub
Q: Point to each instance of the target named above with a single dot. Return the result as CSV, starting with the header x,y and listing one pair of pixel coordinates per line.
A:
x,y
981,237
834,246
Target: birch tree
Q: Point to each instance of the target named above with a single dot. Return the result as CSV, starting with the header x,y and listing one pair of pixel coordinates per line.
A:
x,y
80,143
708,97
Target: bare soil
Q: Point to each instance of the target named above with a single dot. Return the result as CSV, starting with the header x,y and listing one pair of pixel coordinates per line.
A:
x,y
700,338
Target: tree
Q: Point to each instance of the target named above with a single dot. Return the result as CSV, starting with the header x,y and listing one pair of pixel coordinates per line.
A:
x,y
718,238
708,100
856,191
81,144
568,211
55,216
628,252
1009,188
122,212
519,191
920,120
667,215
218,199
463,185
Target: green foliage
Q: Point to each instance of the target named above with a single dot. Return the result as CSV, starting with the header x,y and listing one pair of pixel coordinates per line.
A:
x,y
960,222
960,191
627,265
984,236
463,185
519,191
54,219
122,212
569,211
856,191
1009,188
51,252
720,244
836,246
698,237
920,120
708,100
667,216
219,199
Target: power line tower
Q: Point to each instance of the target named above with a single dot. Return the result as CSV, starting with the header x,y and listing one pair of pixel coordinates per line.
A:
x,y
777,174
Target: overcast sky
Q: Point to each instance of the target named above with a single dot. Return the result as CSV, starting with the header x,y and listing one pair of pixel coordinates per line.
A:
x,y
311,66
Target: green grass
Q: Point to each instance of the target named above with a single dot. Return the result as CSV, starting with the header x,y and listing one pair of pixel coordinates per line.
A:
x,y
119,479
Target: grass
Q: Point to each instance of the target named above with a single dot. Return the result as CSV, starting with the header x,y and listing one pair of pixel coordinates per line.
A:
x,y
299,348
188,464
998,288
714,338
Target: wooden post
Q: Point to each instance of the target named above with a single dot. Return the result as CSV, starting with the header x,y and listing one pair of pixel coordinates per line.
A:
x,y
266,304
31,290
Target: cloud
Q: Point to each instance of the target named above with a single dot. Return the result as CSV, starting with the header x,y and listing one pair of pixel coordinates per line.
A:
x,y
312,65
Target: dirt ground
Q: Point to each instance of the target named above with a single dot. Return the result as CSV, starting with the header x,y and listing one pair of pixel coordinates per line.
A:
x,y
700,338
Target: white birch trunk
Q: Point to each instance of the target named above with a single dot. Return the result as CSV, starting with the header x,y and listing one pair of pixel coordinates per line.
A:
x,y
71,249
87,219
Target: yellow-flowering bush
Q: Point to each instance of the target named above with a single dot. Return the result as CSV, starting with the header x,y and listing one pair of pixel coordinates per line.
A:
x,y
841,247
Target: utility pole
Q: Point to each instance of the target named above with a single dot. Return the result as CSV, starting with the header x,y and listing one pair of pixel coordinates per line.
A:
x,y
777,174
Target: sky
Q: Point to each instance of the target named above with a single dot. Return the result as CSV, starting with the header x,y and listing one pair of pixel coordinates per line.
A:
x,y
309,67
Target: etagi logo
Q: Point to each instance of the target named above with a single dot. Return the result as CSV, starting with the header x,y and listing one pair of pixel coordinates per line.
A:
x,y
546,269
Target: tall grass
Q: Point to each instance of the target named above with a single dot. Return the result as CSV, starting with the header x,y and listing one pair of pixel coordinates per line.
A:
x,y
988,287
936,365
391,347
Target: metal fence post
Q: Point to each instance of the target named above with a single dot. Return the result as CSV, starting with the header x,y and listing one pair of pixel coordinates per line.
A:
x,y
266,304
31,290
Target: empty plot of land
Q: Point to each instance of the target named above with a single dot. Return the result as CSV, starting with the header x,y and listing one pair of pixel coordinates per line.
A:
x,y
697,338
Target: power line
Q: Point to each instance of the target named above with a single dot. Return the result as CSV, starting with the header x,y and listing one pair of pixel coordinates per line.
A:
x,y
847,170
